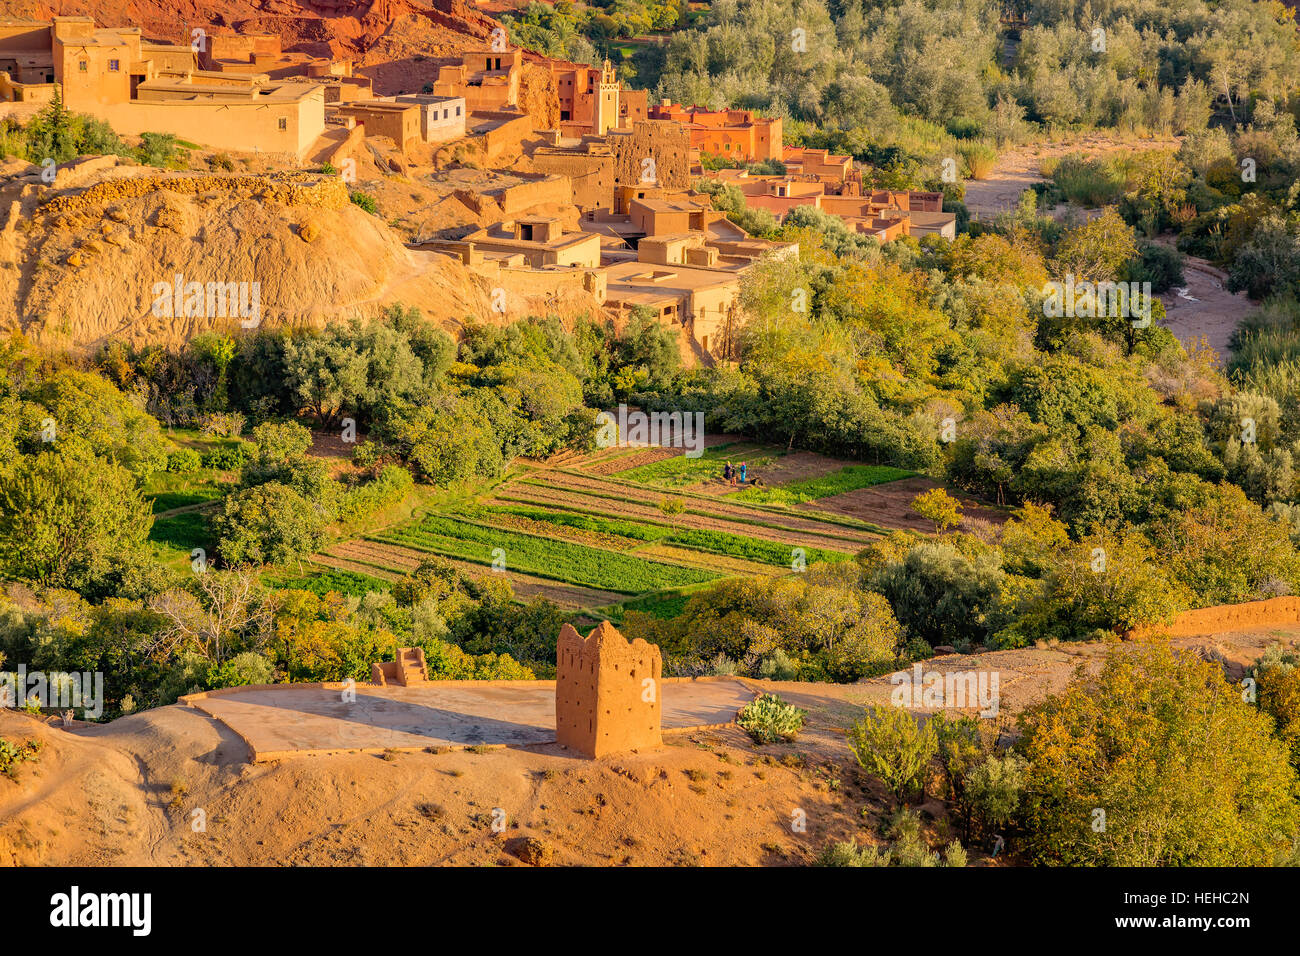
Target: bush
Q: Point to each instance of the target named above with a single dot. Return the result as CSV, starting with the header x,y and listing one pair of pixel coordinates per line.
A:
x,y
849,853
241,670
365,201
227,458
1162,266
1088,182
1154,761
979,159
184,461
11,755
891,745
158,149
221,424
908,849
994,789
768,720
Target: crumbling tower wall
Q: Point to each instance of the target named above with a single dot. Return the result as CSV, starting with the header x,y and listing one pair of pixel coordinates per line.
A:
x,y
607,692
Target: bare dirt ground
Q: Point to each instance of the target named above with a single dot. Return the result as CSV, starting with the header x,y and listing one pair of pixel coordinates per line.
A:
x,y
888,505
132,792
1018,169
1202,311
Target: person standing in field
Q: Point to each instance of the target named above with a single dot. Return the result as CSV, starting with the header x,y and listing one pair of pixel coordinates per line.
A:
x,y
727,473
743,468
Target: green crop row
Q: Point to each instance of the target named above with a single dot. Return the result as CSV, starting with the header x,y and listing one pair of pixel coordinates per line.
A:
x,y
559,560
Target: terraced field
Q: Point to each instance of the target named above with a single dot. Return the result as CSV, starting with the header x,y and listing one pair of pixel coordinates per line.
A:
x,y
389,562
588,531
572,491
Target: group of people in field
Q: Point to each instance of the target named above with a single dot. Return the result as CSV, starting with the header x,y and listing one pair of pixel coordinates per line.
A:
x,y
730,473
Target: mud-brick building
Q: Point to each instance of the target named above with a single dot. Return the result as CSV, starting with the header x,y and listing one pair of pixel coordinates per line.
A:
x,y
738,135
138,86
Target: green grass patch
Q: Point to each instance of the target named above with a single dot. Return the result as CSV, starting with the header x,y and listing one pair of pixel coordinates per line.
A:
x,y
558,560
171,490
679,470
713,542
332,579
849,478
184,532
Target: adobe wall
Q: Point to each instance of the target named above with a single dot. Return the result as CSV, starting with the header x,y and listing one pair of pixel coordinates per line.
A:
x,y
25,92
666,142
633,106
510,135
607,692
248,126
522,197
1226,617
592,176
780,205
534,283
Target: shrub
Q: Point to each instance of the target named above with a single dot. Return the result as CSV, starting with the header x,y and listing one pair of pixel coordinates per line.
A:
x,y
768,719
1184,771
241,670
938,506
365,201
890,744
158,149
908,849
1089,182
11,755
979,159
227,458
1278,680
221,424
183,461
849,853
994,789
1162,266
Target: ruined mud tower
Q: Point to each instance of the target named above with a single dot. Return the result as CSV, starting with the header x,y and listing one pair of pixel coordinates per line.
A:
x,y
607,692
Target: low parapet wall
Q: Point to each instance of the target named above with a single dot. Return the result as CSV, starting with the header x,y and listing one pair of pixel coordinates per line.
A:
x,y
1226,617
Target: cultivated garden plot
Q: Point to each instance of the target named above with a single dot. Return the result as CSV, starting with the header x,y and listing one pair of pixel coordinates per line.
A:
x,y
628,499
390,562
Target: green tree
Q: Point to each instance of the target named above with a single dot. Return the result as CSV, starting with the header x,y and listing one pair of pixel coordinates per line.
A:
x,y
1154,761
68,518
267,524
939,507
890,744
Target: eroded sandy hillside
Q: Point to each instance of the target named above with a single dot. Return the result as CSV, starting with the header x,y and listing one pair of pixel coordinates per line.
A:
x,y
81,264
127,792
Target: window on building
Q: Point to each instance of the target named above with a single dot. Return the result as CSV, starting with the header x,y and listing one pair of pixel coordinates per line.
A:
x,y
114,65
458,111
82,66
284,123
446,114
